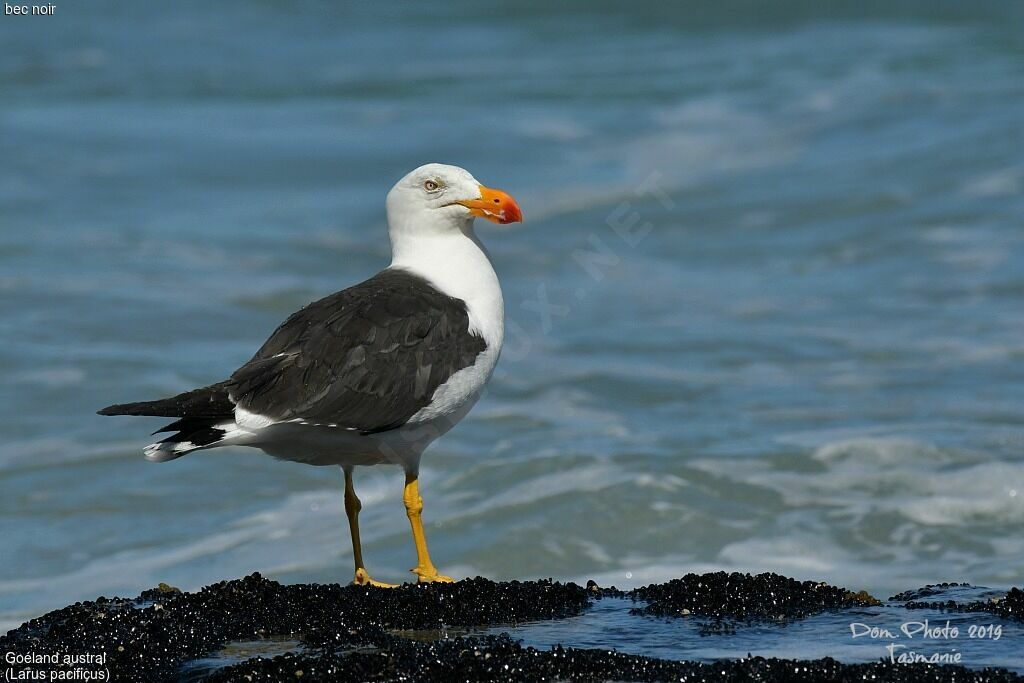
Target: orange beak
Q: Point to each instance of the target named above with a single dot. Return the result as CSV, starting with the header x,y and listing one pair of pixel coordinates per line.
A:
x,y
494,205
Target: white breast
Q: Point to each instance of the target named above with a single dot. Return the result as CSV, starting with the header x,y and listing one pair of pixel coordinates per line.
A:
x,y
457,264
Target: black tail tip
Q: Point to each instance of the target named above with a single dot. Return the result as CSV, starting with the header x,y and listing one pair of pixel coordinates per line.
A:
x,y
110,410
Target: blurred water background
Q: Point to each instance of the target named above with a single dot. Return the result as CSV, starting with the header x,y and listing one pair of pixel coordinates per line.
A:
x,y
765,312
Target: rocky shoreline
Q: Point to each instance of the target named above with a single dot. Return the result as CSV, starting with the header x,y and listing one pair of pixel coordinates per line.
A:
x,y
314,632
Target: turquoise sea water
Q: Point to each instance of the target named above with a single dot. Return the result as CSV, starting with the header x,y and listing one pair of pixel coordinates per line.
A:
x,y
765,312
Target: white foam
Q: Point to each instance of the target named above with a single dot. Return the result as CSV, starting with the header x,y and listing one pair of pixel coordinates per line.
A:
x,y
553,128
306,531
1000,183
905,502
55,377
688,143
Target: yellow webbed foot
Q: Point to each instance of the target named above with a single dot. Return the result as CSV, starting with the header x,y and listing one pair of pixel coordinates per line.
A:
x,y
430,575
362,578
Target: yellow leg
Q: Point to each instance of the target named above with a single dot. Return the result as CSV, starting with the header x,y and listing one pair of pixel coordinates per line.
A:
x,y
352,508
425,569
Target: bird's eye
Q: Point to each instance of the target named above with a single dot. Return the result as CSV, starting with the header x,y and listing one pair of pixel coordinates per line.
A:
x,y
430,186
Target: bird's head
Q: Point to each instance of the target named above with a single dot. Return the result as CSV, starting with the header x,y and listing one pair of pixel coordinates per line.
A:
x,y
441,198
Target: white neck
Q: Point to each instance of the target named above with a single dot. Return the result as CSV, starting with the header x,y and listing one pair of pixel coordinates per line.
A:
x,y
455,263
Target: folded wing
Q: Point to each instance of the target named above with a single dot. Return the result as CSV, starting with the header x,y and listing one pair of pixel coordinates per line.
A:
x,y
366,358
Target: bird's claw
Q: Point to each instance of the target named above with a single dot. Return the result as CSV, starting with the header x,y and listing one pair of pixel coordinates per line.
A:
x,y
362,578
430,575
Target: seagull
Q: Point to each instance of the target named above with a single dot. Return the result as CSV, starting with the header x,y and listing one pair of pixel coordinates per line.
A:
x,y
374,373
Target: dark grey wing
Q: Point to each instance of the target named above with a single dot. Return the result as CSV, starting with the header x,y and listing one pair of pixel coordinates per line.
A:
x,y
210,402
366,358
